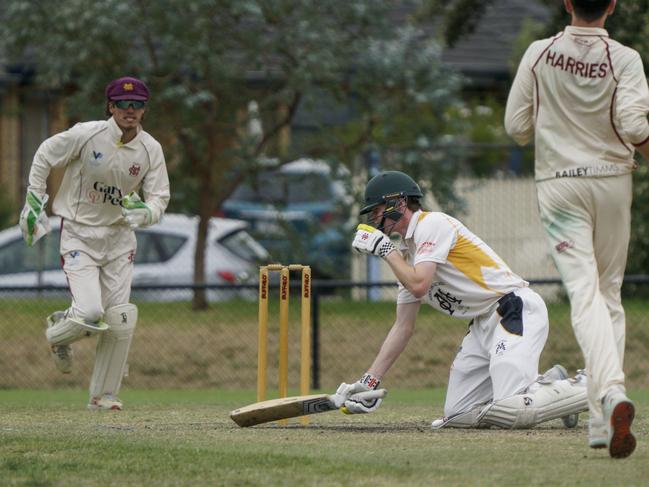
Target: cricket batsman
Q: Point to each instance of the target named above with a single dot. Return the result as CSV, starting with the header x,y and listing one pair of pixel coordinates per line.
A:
x,y
494,380
106,163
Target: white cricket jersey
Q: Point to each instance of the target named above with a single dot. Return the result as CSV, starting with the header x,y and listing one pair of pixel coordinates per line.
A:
x,y
470,276
584,97
100,170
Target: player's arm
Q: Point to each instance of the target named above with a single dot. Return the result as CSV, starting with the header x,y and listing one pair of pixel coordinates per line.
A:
x,y
155,186
347,395
632,105
397,338
519,112
415,279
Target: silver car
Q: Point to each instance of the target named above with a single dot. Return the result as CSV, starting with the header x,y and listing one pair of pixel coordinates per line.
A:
x,y
165,256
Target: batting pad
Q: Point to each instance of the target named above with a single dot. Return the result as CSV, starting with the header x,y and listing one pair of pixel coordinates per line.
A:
x,y
68,330
112,350
549,401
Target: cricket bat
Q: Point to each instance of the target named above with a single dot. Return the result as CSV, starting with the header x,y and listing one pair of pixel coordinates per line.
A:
x,y
291,407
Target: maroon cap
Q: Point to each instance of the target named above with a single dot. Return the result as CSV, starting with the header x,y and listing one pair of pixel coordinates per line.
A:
x,y
127,89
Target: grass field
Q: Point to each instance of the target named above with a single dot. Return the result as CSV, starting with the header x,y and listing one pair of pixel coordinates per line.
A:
x,y
185,438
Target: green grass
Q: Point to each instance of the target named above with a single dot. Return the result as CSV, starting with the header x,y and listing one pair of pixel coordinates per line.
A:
x,y
185,438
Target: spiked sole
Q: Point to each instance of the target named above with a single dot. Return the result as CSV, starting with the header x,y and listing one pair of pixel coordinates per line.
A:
x,y
622,442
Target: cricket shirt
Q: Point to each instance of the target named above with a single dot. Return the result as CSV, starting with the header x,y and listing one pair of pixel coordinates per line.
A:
x,y
470,277
99,171
584,98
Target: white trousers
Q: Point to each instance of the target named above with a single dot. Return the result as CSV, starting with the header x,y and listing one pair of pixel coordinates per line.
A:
x,y
587,222
98,263
500,354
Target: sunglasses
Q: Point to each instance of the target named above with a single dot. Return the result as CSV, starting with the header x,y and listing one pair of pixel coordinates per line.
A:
x,y
124,104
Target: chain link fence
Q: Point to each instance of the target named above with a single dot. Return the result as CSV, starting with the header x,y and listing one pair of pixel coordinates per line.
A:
x,y
176,347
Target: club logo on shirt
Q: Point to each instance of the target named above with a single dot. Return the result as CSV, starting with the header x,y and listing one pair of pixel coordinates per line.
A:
x,y
97,155
501,347
447,302
563,246
425,247
102,193
134,170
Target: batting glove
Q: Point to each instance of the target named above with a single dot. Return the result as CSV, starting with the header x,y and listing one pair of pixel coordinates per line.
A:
x,y
136,212
352,398
369,240
33,221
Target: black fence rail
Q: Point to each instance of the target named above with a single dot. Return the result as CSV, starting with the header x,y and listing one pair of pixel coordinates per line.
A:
x,y
178,347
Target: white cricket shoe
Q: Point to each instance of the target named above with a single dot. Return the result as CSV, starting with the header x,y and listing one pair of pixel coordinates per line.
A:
x,y
559,372
61,354
618,416
107,402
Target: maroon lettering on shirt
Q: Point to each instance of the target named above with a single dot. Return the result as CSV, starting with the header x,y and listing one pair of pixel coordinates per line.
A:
x,y
572,66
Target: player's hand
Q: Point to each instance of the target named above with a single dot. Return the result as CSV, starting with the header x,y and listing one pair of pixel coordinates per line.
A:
x,y
33,221
345,391
364,402
369,240
136,212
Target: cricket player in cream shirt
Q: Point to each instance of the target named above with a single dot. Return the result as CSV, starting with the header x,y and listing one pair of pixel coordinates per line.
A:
x,y
494,378
582,98
107,163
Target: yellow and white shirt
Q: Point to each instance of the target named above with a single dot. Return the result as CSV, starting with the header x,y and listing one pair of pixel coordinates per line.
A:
x,y
470,276
100,171
584,98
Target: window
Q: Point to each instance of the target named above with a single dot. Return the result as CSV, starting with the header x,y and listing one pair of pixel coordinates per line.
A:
x,y
154,248
241,244
16,256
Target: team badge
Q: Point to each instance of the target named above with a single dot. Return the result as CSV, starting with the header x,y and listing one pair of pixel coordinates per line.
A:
x,y
134,170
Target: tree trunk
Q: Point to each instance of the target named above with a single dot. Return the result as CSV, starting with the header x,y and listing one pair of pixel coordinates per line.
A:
x,y
199,301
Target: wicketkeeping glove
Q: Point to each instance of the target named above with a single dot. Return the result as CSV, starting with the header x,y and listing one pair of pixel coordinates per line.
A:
x,y
136,212
353,398
33,221
369,240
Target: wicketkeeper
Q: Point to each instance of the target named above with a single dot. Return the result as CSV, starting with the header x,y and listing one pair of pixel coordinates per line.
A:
x,y
494,378
106,163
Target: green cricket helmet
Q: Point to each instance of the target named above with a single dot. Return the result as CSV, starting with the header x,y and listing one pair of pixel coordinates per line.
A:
x,y
388,186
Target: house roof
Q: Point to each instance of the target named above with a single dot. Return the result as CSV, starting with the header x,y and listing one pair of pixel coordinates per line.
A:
x,y
485,54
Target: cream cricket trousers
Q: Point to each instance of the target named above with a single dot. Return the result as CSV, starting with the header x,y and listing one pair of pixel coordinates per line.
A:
x,y
587,222
499,356
98,263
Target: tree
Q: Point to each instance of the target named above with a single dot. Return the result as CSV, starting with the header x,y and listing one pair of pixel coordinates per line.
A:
x,y
206,60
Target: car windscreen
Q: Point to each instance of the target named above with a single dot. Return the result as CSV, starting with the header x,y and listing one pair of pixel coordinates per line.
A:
x,y
16,256
157,247
241,244
286,188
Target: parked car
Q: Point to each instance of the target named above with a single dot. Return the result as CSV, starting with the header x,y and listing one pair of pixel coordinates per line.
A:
x,y
300,214
165,255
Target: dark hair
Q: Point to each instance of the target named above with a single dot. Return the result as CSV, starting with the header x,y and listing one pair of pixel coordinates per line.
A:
x,y
590,10
413,203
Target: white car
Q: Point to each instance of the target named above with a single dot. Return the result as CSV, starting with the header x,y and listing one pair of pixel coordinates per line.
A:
x,y
165,256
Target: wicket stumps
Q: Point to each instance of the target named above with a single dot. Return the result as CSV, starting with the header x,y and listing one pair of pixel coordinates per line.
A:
x,y
305,328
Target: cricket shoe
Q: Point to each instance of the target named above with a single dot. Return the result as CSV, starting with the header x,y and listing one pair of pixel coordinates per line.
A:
x,y
61,354
618,416
107,402
558,372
